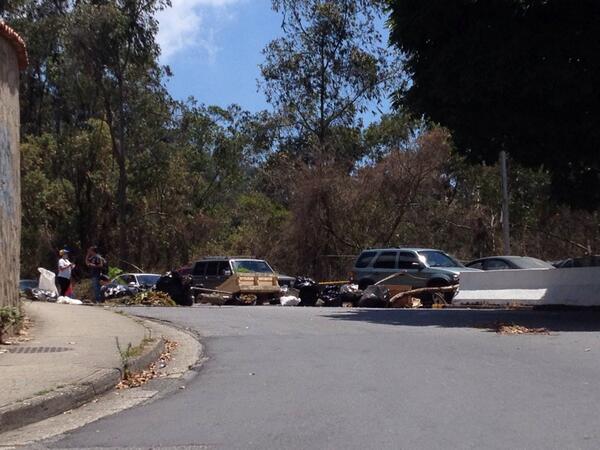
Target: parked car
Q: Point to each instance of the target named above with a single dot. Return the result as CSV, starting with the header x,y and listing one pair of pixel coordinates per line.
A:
x,y
584,261
138,280
211,272
509,263
420,267
25,286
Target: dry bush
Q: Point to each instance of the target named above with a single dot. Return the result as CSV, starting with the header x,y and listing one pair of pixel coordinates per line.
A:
x,y
337,212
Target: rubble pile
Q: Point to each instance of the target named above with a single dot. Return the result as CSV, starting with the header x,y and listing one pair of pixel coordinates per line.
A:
x,y
149,298
512,328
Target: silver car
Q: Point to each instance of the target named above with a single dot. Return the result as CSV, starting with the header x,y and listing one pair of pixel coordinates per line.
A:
x,y
416,267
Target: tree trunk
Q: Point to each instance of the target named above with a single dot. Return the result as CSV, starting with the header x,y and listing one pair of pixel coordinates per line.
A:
x,y
122,186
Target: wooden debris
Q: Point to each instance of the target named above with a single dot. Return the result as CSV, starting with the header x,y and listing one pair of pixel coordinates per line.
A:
x,y
402,297
405,302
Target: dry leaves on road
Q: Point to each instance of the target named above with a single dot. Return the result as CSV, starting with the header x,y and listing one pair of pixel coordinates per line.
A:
x,y
139,379
511,328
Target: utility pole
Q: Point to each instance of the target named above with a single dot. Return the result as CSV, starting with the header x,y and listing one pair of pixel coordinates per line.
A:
x,y
505,218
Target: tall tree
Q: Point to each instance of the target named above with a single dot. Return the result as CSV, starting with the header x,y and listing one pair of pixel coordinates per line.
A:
x,y
114,40
515,75
326,69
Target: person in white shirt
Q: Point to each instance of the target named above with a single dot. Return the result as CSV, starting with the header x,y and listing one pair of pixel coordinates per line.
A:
x,y
63,279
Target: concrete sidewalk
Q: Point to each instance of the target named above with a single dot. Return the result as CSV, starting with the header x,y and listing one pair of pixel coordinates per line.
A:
x,y
71,357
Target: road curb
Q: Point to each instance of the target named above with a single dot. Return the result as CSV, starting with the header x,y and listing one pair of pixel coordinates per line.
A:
x,y
58,401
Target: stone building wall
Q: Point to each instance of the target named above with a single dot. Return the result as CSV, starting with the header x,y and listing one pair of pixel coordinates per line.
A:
x,y
10,195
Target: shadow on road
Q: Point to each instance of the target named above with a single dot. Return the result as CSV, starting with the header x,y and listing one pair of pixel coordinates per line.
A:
x,y
580,320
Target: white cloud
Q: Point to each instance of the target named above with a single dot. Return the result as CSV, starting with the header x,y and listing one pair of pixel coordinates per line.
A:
x,y
191,25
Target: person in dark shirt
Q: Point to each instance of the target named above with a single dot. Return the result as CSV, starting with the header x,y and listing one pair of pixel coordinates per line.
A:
x,y
96,263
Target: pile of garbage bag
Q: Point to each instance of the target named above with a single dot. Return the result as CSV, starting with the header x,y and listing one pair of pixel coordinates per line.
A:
x,y
374,296
179,288
112,291
330,296
308,290
42,295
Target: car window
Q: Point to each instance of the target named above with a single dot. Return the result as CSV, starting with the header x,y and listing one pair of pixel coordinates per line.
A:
x,y
406,260
476,265
437,259
251,266
148,280
199,268
212,268
386,260
125,279
223,266
364,259
533,263
496,264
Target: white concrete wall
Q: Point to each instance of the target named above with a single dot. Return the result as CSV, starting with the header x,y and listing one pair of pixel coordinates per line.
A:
x,y
10,200
574,286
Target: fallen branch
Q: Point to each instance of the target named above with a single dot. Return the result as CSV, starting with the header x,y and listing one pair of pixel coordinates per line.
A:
x,y
414,292
212,291
399,274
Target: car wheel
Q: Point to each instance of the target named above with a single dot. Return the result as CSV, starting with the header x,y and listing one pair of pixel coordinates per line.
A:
x,y
429,298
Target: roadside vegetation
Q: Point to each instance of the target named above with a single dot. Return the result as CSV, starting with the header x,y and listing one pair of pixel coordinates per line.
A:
x,y
109,158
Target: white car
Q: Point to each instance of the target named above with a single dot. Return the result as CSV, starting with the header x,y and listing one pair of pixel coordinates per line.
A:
x,y
138,280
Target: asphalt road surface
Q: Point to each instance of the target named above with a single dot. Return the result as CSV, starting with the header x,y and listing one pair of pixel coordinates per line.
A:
x,y
314,378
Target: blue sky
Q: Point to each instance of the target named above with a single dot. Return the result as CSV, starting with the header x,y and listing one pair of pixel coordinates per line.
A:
x,y
214,47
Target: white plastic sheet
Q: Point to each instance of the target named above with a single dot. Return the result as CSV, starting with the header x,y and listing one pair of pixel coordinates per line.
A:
x,y
68,301
47,280
289,300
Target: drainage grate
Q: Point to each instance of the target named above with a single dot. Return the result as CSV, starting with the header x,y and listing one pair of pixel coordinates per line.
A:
x,y
39,349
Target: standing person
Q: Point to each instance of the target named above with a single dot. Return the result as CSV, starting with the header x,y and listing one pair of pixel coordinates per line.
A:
x,y
96,263
63,279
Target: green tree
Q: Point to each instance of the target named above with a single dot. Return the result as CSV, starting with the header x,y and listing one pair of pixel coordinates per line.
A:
x,y
515,75
325,70
114,42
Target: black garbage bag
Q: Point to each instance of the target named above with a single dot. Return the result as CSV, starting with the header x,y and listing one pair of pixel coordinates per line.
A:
x,y
349,293
178,288
331,296
43,296
308,291
374,297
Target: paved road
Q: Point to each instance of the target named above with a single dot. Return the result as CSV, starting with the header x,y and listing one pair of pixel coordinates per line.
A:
x,y
309,378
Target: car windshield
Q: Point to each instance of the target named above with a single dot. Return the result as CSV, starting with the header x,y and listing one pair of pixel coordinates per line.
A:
x,y
437,259
148,280
251,265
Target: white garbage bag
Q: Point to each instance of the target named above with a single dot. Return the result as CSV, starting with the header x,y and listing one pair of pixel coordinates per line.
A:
x,y
68,301
289,300
47,280
349,289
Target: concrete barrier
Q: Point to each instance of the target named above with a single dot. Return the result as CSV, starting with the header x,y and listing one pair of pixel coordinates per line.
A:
x,y
573,287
